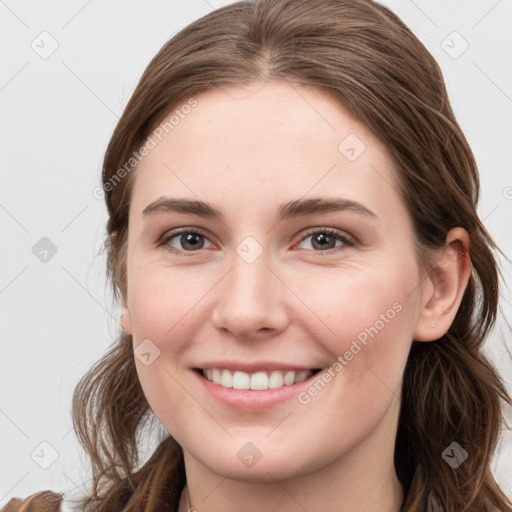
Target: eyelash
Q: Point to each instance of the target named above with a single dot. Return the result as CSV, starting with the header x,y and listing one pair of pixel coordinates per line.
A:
x,y
347,240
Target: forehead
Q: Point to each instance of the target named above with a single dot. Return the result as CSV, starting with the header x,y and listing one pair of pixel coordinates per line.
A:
x,y
262,142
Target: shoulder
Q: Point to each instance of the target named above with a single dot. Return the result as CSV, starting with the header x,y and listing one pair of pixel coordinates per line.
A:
x,y
43,501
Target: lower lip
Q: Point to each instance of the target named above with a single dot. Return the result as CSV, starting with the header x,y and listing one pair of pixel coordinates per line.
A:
x,y
252,400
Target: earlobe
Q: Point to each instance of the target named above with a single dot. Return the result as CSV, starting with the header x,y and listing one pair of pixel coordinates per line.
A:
x,y
444,287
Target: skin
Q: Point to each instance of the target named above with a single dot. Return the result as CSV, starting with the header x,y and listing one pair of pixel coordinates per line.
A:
x,y
247,150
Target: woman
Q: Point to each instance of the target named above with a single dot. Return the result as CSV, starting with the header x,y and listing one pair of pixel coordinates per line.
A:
x,y
305,282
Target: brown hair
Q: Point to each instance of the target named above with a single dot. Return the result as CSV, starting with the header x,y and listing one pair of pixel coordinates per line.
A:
x,y
362,54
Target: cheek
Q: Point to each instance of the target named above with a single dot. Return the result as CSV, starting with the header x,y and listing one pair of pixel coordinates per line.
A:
x,y
163,306
161,301
365,320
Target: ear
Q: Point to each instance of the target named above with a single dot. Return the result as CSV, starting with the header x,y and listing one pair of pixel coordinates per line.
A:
x,y
126,321
443,289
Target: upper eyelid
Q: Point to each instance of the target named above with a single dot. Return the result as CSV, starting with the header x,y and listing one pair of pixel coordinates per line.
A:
x,y
179,231
336,231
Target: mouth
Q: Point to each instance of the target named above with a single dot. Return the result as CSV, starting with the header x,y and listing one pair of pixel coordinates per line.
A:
x,y
257,381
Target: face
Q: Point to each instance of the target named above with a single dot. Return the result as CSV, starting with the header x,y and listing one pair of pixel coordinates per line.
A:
x,y
326,282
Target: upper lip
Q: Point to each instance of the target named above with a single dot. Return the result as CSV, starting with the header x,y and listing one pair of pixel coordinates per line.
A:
x,y
253,366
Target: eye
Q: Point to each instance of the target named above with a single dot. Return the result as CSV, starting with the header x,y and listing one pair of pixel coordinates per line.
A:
x,y
324,240
187,240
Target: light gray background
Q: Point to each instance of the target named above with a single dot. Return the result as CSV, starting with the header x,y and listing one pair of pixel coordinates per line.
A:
x,y
57,114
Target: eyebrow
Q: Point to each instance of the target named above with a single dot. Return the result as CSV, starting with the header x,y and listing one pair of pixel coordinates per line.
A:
x,y
296,208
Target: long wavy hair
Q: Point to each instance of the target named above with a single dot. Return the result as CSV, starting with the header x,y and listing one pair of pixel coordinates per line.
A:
x,y
364,56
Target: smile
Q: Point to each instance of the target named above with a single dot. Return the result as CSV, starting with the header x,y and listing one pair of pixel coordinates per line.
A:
x,y
257,381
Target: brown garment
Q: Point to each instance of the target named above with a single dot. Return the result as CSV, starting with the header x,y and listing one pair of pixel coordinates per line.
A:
x,y
43,501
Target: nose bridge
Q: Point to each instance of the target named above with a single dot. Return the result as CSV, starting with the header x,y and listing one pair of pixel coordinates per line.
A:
x,y
249,278
251,297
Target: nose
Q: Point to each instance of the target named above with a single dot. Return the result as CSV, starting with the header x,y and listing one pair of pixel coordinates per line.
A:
x,y
250,301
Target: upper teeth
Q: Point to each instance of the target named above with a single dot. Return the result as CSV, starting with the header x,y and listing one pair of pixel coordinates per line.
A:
x,y
256,381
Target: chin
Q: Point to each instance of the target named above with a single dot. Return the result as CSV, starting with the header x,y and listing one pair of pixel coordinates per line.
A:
x,y
266,469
